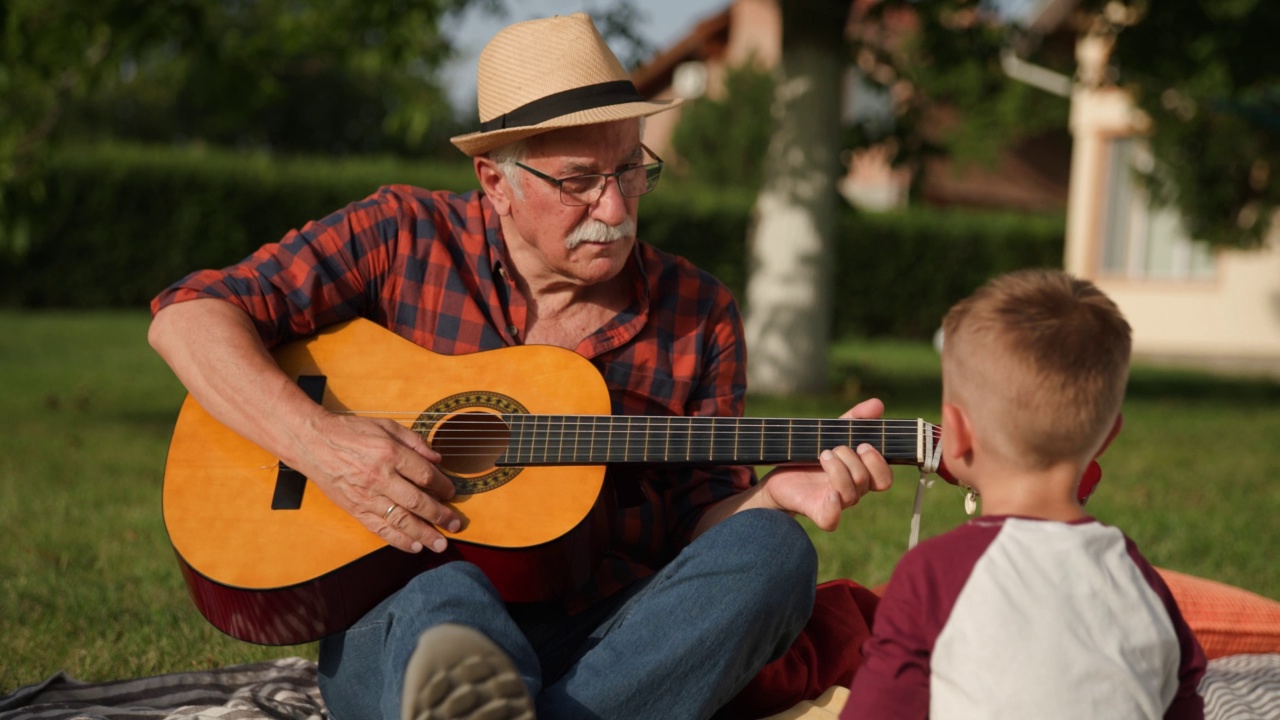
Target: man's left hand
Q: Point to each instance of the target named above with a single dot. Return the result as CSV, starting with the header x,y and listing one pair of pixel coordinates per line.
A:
x,y
845,475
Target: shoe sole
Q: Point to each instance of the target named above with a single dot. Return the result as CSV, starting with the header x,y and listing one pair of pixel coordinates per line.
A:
x,y
456,673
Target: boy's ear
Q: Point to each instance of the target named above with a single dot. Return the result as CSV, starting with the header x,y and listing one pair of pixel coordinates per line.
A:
x,y
494,184
959,431
1115,430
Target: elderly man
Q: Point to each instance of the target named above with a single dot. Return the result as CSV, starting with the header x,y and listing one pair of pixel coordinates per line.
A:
x,y
706,576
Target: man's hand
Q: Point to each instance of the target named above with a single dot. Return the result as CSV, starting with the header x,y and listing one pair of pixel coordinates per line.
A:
x,y
386,476
845,475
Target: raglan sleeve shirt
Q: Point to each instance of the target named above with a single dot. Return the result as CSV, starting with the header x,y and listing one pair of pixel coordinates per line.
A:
x,y
1016,617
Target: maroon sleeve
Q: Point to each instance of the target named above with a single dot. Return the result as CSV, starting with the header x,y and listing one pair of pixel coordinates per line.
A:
x,y
893,681
1187,703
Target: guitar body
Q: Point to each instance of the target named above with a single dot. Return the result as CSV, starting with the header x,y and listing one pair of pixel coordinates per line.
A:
x,y
268,558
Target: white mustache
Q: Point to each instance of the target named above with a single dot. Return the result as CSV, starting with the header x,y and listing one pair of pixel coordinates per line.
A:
x,y
595,231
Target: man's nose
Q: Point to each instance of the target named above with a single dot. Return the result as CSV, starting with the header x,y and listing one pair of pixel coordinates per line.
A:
x,y
611,207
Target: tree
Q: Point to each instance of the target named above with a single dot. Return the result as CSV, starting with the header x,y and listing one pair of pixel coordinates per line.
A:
x,y
720,140
792,238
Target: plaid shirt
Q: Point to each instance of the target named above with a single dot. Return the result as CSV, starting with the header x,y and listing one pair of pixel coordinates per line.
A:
x,y
431,267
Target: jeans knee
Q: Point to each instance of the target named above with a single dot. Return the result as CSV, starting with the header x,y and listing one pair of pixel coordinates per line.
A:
x,y
777,546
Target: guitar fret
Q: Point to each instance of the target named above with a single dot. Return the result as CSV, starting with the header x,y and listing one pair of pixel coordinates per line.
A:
x,y
560,443
577,427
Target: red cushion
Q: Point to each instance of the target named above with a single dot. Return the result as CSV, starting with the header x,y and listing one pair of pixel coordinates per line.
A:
x,y
1227,620
827,652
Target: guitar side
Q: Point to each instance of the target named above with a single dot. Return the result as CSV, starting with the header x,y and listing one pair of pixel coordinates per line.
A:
x,y
269,558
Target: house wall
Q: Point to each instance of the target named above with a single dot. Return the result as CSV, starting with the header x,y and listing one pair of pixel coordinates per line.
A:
x,y
1228,320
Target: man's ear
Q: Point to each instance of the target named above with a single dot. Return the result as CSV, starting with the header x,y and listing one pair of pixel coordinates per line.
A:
x,y
493,182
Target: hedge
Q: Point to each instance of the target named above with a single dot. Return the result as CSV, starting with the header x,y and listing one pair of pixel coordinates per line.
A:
x,y
118,223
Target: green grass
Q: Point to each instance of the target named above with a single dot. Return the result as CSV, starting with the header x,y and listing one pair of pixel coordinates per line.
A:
x,y
88,583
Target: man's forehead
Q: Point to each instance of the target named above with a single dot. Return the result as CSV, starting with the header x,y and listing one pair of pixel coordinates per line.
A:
x,y
589,145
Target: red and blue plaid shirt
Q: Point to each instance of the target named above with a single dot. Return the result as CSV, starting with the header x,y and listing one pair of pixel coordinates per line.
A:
x,y
431,267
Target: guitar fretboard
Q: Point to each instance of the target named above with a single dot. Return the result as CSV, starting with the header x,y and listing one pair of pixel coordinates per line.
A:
x,y
622,439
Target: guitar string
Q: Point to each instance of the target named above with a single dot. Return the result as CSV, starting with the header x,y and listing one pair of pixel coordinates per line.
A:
x,y
833,424
897,435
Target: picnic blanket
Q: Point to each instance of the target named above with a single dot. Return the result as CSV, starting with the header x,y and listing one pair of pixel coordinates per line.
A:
x,y
1239,630
1238,687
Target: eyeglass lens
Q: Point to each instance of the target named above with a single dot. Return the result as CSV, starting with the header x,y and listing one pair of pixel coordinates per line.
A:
x,y
632,182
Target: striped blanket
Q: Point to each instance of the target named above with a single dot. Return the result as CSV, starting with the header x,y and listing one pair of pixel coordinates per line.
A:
x,y
1237,687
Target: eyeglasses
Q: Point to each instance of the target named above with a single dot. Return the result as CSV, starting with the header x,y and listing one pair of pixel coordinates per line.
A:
x,y
587,189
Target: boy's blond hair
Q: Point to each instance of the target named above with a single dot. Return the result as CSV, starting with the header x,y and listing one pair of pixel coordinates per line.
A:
x,y
1039,361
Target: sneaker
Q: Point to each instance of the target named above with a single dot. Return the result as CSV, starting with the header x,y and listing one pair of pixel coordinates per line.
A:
x,y
456,673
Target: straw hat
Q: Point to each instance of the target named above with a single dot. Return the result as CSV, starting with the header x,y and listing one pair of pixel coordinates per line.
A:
x,y
540,75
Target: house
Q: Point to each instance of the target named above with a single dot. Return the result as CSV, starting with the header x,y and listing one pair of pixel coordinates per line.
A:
x,y
1188,303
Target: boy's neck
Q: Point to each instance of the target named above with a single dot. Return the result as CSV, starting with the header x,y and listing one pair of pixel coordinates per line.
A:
x,y
1048,495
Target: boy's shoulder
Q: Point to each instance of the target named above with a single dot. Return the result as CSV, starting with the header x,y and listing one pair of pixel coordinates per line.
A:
x,y
955,552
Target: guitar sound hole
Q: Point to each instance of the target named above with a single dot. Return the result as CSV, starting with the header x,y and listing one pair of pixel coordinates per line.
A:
x,y
470,442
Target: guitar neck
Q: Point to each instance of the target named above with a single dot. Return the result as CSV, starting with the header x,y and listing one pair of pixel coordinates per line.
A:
x,y
640,440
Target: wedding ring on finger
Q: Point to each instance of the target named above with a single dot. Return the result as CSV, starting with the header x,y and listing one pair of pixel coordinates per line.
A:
x,y
386,516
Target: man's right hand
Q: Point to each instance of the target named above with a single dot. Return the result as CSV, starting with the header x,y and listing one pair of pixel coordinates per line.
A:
x,y
383,474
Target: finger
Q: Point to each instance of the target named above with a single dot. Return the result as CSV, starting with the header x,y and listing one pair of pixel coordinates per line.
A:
x,y
868,409
827,514
414,441
425,475
842,475
429,512
881,475
404,530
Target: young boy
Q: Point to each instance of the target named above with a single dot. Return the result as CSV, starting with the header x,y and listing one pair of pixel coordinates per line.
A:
x,y
1034,609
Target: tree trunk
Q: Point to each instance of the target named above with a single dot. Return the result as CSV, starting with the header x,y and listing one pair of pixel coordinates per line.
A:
x,y
792,239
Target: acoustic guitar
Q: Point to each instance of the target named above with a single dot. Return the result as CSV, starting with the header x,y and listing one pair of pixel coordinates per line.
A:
x,y
525,433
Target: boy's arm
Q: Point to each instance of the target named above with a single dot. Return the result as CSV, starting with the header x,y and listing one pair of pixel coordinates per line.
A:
x,y
893,681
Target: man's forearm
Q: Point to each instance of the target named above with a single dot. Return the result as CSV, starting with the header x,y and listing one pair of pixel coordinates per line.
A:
x,y
213,348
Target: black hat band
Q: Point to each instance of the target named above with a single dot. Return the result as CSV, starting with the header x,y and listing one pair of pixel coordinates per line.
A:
x,y
555,105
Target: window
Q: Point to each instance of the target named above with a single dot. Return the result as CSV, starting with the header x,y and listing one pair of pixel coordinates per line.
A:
x,y
1141,240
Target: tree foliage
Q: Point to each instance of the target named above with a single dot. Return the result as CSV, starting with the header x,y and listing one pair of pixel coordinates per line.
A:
x,y
340,75
940,63
1205,73
333,77
722,140
330,75
1202,71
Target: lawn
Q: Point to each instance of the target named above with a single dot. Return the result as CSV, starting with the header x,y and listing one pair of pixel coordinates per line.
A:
x,y
88,583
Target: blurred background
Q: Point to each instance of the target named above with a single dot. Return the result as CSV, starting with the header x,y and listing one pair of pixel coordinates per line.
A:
x,y
849,169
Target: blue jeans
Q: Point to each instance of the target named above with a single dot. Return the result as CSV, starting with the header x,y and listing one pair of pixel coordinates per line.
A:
x,y
679,644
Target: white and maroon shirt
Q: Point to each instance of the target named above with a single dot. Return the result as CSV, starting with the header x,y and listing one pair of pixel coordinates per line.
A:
x,y
1009,617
